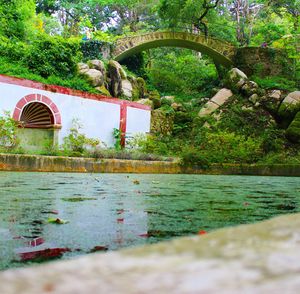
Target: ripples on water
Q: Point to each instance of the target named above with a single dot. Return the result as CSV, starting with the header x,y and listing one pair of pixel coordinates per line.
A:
x,y
109,211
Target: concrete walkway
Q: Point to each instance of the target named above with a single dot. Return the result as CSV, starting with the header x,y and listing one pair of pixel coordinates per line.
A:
x,y
259,258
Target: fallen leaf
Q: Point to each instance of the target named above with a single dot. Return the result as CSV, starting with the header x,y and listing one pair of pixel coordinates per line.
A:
x,y
43,254
99,248
57,221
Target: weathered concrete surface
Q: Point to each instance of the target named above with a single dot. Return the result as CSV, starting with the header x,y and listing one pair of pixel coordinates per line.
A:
x,y
259,258
34,163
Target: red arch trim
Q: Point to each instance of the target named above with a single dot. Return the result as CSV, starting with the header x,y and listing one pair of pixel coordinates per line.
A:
x,y
37,98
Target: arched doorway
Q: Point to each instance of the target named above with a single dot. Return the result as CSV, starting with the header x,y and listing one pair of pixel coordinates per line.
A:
x,y
39,121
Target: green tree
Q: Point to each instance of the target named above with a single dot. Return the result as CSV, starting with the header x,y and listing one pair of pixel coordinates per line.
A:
x,y
16,18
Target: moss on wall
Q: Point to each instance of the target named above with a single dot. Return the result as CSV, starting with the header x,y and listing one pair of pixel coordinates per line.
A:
x,y
263,62
37,139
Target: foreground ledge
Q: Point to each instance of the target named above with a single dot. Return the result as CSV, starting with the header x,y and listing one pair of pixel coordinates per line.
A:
x,y
259,258
35,163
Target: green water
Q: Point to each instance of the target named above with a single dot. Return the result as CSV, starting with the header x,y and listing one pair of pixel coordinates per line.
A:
x,y
119,213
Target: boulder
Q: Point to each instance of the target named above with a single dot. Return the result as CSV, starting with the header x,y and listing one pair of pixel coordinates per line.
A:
x,y
141,84
274,94
117,66
115,79
103,90
177,106
147,102
126,88
271,101
97,64
208,109
289,108
293,131
82,67
222,96
254,98
214,103
95,77
153,95
292,98
249,88
235,79
156,103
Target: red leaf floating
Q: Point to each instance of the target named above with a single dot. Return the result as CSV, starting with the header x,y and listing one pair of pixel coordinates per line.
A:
x,y
99,248
120,220
202,232
43,254
144,235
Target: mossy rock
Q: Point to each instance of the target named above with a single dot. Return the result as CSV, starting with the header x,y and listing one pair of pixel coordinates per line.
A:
x,y
287,113
293,131
141,85
153,95
235,80
156,103
103,90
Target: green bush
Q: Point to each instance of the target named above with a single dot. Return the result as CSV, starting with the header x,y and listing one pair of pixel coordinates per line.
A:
x,y
194,158
179,71
57,56
8,127
275,82
230,147
92,49
76,143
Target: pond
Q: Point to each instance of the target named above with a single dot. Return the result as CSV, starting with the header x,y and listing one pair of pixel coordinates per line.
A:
x,y
102,212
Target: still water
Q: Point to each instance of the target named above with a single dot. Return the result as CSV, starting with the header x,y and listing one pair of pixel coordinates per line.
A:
x,y
113,211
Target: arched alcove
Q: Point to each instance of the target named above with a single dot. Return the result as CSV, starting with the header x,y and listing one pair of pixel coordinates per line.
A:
x,y
37,115
39,122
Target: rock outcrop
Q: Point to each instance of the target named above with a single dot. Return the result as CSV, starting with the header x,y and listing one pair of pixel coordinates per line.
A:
x,y
112,81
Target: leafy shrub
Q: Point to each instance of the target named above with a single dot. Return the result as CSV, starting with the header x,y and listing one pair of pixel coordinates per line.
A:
x,y
275,82
194,158
92,49
180,71
76,143
230,147
8,138
53,56
117,134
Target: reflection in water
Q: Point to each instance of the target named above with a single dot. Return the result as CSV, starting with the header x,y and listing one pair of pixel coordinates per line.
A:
x,y
108,212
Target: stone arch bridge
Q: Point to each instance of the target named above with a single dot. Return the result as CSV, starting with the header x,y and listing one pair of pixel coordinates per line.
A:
x,y
220,51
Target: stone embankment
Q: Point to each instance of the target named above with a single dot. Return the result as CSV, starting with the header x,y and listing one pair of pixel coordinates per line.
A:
x,y
259,258
33,163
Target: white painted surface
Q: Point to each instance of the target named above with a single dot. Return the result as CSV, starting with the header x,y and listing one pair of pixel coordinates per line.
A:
x,y
138,121
97,118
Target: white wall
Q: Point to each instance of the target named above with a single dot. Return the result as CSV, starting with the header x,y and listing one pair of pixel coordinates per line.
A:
x,y
98,118
138,121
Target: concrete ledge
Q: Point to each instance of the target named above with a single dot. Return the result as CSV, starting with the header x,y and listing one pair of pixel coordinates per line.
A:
x,y
33,163
259,258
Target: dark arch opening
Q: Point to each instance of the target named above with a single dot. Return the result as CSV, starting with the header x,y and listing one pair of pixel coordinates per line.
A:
x,y
37,115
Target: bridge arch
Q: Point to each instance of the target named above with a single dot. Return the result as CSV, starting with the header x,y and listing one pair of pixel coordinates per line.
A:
x,y
220,51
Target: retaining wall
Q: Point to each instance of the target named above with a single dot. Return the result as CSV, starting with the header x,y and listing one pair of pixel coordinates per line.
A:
x,y
33,163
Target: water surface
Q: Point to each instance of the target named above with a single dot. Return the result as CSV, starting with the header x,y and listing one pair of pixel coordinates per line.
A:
x,y
117,210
